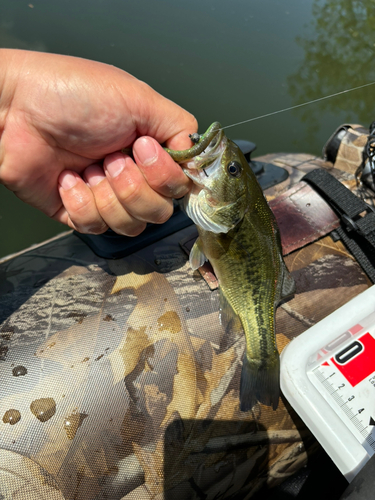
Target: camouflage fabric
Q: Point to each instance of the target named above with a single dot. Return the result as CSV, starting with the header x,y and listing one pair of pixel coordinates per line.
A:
x,y
118,381
349,154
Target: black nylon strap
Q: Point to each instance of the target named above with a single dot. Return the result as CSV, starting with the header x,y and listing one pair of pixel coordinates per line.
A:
x,y
342,199
357,232
362,250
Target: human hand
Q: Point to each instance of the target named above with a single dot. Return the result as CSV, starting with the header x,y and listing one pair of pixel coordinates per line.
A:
x,y
63,123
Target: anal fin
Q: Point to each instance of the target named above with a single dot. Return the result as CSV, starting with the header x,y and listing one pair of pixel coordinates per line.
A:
x,y
288,285
231,322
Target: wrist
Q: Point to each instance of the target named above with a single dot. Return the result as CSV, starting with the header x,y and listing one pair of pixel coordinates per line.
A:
x,y
3,107
10,63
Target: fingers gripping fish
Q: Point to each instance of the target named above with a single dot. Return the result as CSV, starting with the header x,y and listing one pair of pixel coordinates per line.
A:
x,y
238,234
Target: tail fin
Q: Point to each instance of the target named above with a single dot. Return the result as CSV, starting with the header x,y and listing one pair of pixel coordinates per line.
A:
x,y
260,382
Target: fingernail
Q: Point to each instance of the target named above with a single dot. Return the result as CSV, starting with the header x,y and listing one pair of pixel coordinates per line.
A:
x,y
146,150
93,175
68,180
114,168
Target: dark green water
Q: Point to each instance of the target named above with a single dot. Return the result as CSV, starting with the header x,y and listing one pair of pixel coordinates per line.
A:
x,y
226,60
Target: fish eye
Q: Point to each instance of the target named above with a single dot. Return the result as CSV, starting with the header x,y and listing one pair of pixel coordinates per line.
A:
x,y
234,168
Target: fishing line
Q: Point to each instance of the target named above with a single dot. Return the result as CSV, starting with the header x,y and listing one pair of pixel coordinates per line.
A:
x,y
299,105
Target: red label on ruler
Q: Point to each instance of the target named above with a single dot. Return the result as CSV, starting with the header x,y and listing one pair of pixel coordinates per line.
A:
x,y
357,360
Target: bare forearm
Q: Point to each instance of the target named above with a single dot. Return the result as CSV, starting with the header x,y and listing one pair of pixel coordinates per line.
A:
x,y
7,83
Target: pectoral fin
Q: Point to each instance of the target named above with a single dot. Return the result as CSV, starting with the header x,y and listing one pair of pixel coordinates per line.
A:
x,y
197,257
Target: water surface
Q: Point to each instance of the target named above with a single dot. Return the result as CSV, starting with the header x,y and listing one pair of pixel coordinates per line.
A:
x,y
225,60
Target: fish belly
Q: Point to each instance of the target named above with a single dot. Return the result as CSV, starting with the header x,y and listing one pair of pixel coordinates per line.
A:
x,y
248,268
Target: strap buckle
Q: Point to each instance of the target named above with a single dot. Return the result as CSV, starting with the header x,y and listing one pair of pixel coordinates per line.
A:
x,y
351,225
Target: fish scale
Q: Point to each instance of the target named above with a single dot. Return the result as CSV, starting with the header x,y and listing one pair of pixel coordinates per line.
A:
x,y
239,236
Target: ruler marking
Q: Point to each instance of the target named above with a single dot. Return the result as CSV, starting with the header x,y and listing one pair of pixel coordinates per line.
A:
x,y
356,423
337,397
337,386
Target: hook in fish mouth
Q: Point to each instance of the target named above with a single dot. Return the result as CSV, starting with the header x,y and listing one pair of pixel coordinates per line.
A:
x,y
196,175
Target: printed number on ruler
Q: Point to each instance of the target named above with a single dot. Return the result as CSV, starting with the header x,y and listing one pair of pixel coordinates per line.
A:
x,y
344,373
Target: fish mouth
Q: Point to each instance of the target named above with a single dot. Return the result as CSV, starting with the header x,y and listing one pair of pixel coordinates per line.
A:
x,y
202,178
197,175
200,168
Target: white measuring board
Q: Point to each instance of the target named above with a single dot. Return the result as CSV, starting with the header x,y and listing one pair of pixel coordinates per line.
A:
x,y
328,376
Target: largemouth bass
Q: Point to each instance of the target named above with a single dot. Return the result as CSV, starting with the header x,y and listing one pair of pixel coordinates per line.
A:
x,y
238,234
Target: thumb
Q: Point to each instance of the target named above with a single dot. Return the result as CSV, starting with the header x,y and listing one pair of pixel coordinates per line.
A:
x,y
164,120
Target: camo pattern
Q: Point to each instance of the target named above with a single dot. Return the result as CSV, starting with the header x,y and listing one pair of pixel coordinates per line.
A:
x,y
126,384
349,155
